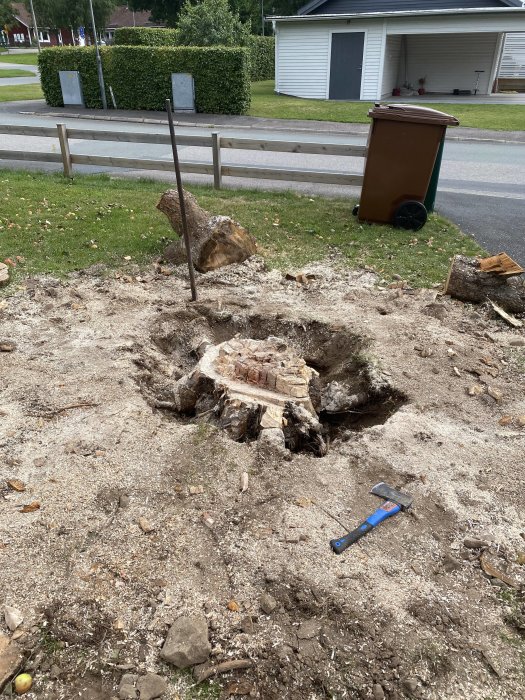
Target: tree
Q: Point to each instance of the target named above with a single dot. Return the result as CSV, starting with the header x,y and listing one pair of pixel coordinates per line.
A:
x,y
64,13
166,11
211,23
6,14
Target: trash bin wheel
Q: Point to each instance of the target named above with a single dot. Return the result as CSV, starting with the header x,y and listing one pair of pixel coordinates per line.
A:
x,y
355,210
411,215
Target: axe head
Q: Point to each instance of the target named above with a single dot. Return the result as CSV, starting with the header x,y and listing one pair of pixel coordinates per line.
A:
x,y
385,491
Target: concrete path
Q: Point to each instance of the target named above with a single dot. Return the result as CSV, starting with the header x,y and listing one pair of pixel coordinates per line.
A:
x,y
4,82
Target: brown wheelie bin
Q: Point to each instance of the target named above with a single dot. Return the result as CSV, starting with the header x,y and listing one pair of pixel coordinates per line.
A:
x,y
403,145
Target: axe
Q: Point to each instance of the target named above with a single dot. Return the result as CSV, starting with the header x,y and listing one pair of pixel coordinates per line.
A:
x,y
394,502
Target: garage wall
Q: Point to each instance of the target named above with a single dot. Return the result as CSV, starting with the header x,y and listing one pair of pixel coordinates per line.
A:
x,y
449,60
392,65
513,61
303,57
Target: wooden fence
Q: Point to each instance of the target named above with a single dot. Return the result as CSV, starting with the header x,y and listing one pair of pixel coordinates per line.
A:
x,y
215,141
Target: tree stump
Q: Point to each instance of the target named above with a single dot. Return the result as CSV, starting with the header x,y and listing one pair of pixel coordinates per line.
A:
x,y
215,240
467,282
254,388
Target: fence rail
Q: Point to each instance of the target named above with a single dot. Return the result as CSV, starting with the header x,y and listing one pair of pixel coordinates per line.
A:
x,y
216,142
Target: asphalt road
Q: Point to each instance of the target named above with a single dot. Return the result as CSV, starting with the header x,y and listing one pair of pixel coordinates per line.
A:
x,y
19,81
482,186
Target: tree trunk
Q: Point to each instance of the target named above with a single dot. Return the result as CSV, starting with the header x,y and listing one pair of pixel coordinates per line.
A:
x,y
215,240
465,281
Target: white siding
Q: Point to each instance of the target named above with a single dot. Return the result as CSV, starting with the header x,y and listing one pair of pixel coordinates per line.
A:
x,y
457,24
302,59
449,61
392,63
372,59
513,61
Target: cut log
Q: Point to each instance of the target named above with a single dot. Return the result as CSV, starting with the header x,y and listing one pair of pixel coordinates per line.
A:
x,y
215,240
467,282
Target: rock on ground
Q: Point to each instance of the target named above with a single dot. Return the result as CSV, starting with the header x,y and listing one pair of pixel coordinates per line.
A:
x,y
187,642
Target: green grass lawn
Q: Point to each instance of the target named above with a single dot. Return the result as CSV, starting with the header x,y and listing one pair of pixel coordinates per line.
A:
x,y
27,59
265,103
13,93
56,226
15,73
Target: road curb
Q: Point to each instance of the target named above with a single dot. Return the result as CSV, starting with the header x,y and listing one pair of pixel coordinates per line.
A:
x,y
248,127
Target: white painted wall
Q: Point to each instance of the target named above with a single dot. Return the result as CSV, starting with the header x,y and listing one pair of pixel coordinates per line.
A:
x,y
449,61
513,61
458,24
392,68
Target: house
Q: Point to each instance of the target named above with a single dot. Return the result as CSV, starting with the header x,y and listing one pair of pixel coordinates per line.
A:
x,y
23,34
367,49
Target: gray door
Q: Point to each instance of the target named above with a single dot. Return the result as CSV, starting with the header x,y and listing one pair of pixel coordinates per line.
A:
x,y
346,65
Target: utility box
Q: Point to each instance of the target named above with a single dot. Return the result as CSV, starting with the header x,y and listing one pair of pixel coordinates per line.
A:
x,y
403,147
183,89
71,85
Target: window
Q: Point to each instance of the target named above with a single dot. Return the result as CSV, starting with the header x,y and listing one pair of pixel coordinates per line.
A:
x,y
44,37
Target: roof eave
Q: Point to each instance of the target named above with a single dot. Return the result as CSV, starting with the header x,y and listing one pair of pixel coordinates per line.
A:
x,y
402,13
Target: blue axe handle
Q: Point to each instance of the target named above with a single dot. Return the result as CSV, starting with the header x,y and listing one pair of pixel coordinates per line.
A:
x,y
388,509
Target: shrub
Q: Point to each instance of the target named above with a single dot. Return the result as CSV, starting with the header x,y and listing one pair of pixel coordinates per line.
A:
x,y
141,75
145,36
211,23
262,57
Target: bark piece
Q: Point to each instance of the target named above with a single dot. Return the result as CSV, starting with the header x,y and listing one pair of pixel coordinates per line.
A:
x,y
215,240
11,660
467,282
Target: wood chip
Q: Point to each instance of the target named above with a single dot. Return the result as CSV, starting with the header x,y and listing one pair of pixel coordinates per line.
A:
x,y
233,606
244,482
145,525
494,572
30,507
496,394
201,673
506,316
7,346
475,390
16,485
505,420
500,264
195,490
207,519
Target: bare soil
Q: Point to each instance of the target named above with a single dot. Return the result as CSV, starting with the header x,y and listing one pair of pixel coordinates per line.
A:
x,y
407,612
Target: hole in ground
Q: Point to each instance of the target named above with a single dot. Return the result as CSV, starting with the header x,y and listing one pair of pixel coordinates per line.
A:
x,y
346,393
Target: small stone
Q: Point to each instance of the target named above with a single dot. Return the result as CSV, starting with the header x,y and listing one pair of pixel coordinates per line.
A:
x,y
473,543
13,617
521,421
195,490
11,659
55,672
426,352
520,558
39,462
410,685
496,394
436,310
126,689
145,525
124,500
378,692
267,603
151,686
309,629
7,346
517,342
450,564
187,642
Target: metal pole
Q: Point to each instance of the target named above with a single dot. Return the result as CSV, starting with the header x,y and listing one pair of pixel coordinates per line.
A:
x,y
181,202
34,24
99,60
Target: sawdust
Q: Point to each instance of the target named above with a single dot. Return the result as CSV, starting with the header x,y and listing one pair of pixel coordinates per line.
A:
x,y
408,612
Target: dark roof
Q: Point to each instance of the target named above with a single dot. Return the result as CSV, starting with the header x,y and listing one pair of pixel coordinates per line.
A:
x,y
121,17
350,7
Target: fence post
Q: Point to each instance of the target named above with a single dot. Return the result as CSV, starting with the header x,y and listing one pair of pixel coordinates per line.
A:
x,y
216,153
64,149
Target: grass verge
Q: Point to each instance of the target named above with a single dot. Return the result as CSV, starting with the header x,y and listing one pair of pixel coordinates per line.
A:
x,y
14,93
26,59
265,103
15,73
57,226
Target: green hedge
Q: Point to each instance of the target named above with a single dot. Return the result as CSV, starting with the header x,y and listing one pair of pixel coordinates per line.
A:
x,y
145,36
262,57
262,48
141,75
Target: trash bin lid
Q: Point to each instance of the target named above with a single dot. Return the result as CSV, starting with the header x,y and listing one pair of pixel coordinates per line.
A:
x,y
412,113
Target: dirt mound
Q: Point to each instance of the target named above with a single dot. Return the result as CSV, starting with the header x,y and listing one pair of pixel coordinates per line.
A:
x,y
144,515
